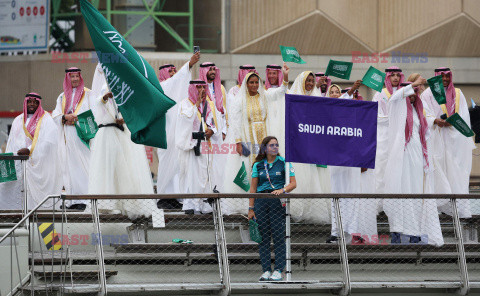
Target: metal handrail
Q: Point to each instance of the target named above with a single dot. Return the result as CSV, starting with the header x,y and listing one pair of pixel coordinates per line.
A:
x,y
267,195
27,216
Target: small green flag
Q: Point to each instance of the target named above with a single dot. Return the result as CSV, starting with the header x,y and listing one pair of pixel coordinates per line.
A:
x,y
460,124
374,79
438,91
321,166
86,127
255,234
290,54
242,179
7,169
131,79
339,69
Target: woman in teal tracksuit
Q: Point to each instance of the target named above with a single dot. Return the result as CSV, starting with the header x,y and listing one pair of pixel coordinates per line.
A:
x,y
268,176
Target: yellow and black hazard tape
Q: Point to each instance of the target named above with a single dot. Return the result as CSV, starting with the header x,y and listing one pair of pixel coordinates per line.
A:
x,y
50,237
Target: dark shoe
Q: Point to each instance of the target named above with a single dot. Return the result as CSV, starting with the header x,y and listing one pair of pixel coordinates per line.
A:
x,y
78,207
396,238
169,204
189,212
332,240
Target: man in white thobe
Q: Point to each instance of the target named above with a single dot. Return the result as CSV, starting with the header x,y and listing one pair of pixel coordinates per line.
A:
x,y
216,93
409,171
452,150
117,165
394,77
75,155
194,130
33,133
176,88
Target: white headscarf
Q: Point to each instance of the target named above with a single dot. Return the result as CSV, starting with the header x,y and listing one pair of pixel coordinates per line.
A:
x,y
298,87
241,128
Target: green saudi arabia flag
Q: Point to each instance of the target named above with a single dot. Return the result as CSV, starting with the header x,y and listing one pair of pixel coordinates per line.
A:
x,y
460,125
131,79
438,91
290,54
242,179
374,79
339,69
7,169
86,127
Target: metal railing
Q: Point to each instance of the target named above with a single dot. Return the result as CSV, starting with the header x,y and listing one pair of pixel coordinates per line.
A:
x,y
421,264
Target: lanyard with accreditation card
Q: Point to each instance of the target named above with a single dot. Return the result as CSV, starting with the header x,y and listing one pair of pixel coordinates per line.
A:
x,y
282,200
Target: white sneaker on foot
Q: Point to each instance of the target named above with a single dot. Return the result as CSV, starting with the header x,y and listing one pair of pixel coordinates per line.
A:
x,y
276,276
265,276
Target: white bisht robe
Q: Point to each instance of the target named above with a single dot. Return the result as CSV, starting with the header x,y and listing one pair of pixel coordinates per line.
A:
x,y
43,168
195,171
176,88
404,173
74,153
452,155
117,165
239,125
309,177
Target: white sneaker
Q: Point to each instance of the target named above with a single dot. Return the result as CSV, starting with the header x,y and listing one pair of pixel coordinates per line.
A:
x,y
276,276
265,276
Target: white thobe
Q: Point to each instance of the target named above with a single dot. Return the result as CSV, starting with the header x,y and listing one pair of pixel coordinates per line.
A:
x,y
43,176
75,155
176,88
452,156
195,171
405,173
117,165
382,138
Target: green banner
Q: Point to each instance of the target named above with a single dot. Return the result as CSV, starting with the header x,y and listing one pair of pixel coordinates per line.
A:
x,y
438,91
290,54
321,166
459,124
374,79
7,169
86,127
131,79
339,69
242,178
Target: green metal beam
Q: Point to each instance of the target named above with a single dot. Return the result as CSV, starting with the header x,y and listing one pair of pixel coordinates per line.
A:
x,y
154,11
172,32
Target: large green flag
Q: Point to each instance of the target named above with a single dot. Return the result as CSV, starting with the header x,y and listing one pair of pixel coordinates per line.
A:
x,y
131,79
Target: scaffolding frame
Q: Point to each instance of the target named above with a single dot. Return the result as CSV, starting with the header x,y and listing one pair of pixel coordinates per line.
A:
x,y
154,11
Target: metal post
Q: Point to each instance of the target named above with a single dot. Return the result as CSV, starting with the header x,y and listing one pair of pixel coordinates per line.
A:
x,y
462,261
288,242
25,199
223,249
109,11
343,249
99,247
190,25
